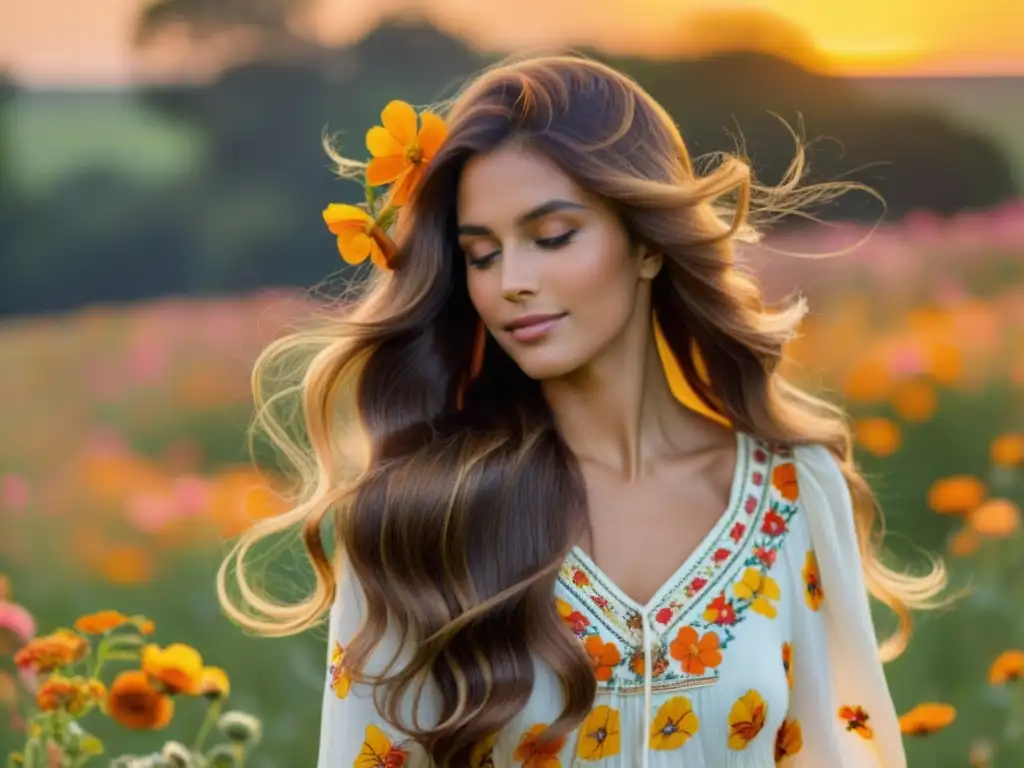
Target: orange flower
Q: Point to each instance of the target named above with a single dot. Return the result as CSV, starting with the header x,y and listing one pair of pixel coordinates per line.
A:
x,y
674,724
401,149
1009,665
964,542
997,518
358,235
696,653
532,752
603,656
784,480
73,695
857,721
101,622
927,718
787,663
1007,450
214,683
599,734
178,667
746,719
341,683
789,740
878,436
914,400
50,652
379,752
956,494
135,703
868,381
813,593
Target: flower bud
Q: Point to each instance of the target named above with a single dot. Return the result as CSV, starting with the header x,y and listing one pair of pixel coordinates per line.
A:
x,y
177,755
224,756
240,727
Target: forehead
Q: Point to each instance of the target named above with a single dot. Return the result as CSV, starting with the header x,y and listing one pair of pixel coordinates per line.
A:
x,y
497,187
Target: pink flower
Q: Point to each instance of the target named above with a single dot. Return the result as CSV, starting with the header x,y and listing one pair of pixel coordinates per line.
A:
x,y
15,493
191,495
16,624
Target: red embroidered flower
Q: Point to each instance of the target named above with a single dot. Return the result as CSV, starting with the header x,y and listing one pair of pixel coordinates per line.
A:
x,y
697,585
720,611
577,622
774,524
737,532
664,616
758,478
766,556
600,602
751,505
579,578
760,456
721,554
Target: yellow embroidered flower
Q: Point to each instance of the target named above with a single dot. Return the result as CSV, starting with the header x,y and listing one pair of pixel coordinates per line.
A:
x,y
1008,666
401,149
599,734
927,718
856,720
482,755
761,589
746,719
341,683
813,593
178,667
674,724
787,663
533,752
358,235
378,751
789,740
694,652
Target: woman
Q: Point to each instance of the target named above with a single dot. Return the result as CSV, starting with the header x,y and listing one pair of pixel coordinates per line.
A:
x,y
580,515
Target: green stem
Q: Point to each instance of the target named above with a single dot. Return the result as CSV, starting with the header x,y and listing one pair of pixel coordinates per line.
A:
x,y
212,714
101,652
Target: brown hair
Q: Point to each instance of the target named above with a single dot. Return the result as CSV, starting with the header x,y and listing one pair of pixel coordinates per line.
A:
x,y
422,492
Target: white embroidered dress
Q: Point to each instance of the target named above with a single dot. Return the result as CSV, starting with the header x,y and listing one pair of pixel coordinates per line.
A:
x,y
758,651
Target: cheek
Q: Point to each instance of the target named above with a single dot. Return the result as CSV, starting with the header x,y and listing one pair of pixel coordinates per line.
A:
x,y
484,290
599,280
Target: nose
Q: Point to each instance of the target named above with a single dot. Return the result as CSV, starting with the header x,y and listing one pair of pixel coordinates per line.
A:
x,y
519,277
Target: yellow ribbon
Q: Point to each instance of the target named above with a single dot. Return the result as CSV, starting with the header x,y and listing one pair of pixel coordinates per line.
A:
x,y
677,382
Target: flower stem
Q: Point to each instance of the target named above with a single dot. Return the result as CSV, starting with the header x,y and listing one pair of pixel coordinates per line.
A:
x,y
212,713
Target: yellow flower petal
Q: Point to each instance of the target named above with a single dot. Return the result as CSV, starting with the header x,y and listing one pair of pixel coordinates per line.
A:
x,y
400,120
384,170
377,255
354,246
432,134
339,216
381,143
404,186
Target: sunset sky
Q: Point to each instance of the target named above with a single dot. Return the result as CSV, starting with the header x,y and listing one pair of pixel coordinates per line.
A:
x,y
64,43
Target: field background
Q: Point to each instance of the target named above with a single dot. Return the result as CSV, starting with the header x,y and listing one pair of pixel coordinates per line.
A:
x,y
153,239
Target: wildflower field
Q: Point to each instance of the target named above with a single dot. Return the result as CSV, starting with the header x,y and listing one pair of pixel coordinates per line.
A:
x,y
124,472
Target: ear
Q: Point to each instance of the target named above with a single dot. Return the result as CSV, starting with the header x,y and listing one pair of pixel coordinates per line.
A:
x,y
650,262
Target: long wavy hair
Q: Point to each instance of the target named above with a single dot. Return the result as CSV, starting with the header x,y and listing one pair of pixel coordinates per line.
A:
x,y
424,470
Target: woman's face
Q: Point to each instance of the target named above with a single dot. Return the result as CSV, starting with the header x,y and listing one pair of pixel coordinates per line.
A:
x,y
550,269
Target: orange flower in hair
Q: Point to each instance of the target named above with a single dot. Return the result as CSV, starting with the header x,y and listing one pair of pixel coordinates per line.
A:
x,y
359,236
401,149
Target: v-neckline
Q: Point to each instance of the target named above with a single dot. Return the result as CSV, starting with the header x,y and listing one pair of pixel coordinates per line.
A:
x,y
736,493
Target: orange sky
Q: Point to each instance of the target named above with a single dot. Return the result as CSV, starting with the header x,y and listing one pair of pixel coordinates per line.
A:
x,y
87,42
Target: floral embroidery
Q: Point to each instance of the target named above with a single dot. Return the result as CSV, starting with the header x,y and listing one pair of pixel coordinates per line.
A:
x,y
696,653
532,752
760,589
341,683
482,755
575,620
603,656
636,663
674,724
784,480
599,734
857,721
379,752
789,740
746,719
813,593
787,663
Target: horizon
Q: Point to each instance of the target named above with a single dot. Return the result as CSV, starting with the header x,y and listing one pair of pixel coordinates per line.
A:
x,y
59,49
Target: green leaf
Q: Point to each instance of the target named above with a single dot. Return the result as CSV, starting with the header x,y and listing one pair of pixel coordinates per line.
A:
x,y
90,745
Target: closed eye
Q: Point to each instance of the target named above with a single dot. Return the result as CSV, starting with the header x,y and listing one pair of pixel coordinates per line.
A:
x,y
551,243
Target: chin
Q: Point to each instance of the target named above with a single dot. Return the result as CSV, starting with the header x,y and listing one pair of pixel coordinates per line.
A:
x,y
541,364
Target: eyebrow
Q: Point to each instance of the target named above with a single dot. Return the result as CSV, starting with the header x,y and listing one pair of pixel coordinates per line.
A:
x,y
542,210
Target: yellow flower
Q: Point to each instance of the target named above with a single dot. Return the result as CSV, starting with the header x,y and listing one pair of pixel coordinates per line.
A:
x,y
674,724
746,719
214,683
927,718
358,235
482,754
813,592
759,588
101,622
787,663
789,740
599,734
378,751
341,683
400,151
178,667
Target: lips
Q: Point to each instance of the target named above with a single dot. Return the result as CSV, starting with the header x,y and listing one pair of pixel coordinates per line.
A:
x,y
527,321
533,327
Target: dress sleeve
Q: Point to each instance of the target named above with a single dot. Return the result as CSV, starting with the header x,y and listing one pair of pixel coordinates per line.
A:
x,y
841,713
352,732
